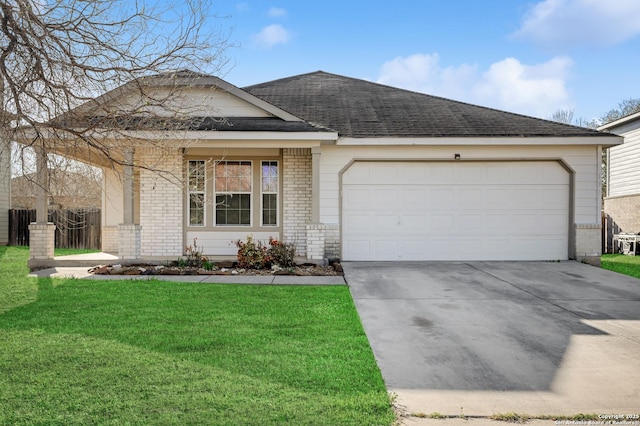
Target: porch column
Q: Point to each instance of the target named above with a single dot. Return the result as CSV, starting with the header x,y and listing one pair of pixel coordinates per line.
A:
x,y
41,232
128,232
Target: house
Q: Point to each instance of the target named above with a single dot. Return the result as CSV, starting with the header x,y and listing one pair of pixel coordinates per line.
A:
x,y
622,200
345,168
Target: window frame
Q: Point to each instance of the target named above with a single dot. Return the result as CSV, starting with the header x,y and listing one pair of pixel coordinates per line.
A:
x,y
276,193
202,192
216,193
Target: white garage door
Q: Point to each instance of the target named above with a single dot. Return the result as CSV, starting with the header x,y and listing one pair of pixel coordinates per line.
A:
x,y
455,211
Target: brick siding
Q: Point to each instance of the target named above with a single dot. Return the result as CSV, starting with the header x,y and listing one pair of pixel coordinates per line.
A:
x,y
161,203
296,196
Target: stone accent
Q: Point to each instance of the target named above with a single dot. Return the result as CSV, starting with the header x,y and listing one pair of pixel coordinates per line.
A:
x,y
110,239
129,241
296,196
161,203
588,243
42,240
315,241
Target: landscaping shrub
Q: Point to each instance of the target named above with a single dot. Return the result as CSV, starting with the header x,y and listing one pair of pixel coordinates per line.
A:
x,y
281,253
252,254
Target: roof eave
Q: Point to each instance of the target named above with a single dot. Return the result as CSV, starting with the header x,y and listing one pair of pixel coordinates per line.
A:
x,y
620,121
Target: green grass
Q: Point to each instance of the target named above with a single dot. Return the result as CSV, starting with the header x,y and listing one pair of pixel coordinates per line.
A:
x,y
153,352
69,251
627,265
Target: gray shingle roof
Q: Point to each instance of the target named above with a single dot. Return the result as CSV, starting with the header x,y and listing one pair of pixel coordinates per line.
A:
x,y
361,109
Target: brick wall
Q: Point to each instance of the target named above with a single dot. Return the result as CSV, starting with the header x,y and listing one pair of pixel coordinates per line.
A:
x,y
588,243
41,241
129,243
161,203
315,241
296,196
332,241
624,212
109,237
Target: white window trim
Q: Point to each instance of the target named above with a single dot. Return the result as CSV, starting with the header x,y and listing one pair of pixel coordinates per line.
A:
x,y
203,192
277,192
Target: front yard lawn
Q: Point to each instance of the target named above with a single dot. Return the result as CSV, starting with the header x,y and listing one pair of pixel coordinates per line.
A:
x,y
153,352
628,265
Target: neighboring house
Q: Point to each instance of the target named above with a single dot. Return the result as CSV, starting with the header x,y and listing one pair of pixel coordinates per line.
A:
x,y
622,201
351,169
68,190
5,192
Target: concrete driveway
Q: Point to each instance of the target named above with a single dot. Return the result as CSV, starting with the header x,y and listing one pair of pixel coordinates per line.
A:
x,y
480,338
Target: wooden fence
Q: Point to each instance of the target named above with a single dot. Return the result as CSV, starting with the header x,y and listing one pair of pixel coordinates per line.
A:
x,y
609,229
74,228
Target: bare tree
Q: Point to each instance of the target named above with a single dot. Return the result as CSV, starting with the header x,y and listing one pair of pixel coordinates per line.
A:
x,y
625,107
57,55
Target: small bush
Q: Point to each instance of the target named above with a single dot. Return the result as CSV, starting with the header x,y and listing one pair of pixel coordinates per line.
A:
x,y
195,259
281,253
252,254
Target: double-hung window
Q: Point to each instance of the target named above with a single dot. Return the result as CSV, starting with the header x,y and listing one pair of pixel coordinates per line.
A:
x,y
233,193
269,189
197,178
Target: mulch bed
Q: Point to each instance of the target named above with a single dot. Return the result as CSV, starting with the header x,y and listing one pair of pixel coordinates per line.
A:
x,y
222,268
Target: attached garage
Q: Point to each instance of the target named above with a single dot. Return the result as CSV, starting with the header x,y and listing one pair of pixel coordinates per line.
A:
x,y
455,210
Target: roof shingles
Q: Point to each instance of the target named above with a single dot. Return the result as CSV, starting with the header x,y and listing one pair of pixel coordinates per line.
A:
x,y
362,109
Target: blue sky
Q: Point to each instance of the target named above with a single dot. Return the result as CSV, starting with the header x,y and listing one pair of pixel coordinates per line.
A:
x,y
530,57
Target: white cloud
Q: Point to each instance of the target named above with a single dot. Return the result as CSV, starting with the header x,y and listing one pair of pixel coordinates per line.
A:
x,y
271,35
510,85
277,12
581,22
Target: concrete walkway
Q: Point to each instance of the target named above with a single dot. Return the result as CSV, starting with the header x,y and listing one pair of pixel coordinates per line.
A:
x,y
81,272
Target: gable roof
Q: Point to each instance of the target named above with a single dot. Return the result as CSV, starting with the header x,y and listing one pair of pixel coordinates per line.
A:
x,y
362,109
92,113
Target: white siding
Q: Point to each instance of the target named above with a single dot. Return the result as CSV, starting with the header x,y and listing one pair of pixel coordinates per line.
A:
x,y
111,197
195,102
624,166
221,243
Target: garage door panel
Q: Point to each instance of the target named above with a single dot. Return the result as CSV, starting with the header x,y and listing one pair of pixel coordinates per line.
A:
x,y
468,198
456,211
356,198
440,199
386,248
385,199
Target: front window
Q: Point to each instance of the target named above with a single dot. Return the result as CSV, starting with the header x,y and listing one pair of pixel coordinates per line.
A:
x,y
233,193
269,178
197,179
